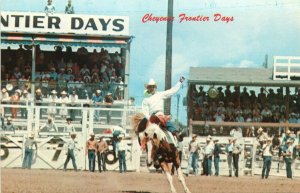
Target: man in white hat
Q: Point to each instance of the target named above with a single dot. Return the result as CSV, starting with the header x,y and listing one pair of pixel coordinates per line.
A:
x,y
71,147
64,100
194,148
236,151
120,89
97,100
25,99
228,151
267,158
150,88
91,149
49,126
4,98
29,143
73,98
288,156
155,102
122,148
208,153
53,99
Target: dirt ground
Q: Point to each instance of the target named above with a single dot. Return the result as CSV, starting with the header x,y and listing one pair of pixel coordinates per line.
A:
x,y
57,181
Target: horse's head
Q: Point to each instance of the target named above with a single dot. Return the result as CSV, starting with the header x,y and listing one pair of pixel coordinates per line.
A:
x,y
139,124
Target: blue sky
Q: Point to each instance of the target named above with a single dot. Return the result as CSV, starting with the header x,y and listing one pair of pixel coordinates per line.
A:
x,y
260,27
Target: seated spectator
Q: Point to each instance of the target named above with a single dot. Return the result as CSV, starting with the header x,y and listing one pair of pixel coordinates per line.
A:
x,y
221,108
84,71
69,8
266,114
49,8
293,118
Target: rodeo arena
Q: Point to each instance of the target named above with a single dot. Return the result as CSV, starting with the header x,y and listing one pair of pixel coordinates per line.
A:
x,y
68,123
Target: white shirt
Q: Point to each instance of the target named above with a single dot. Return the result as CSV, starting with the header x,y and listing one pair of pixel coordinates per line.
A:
x,y
73,99
69,128
155,103
266,148
122,145
208,149
71,144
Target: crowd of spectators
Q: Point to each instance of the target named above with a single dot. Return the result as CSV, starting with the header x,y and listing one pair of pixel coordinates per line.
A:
x,y
66,70
243,106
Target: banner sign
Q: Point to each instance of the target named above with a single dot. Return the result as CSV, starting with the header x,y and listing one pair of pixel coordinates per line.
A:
x,y
64,23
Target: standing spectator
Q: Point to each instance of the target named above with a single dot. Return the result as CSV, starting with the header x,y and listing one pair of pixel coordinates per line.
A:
x,y
91,150
102,147
267,158
97,101
122,148
15,99
73,102
4,100
69,128
64,100
25,99
53,99
194,147
71,147
236,151
120,89
38,99
228,150
29,142
208,153
217,151
69,8
49,8
287,153
262,97
108,100
49,126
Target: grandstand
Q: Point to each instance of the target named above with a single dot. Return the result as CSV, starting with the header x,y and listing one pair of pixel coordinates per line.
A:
x,y
56,72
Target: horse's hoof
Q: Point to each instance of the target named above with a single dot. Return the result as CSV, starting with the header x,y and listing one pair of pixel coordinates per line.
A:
x,y
187,191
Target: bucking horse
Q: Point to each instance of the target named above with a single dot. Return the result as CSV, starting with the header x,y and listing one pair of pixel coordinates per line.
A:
x,y
163,152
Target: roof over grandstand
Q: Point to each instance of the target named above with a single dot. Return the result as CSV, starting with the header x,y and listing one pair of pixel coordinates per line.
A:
x,y
237,76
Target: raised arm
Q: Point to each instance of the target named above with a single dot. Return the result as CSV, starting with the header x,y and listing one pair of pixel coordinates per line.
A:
x,y
168,93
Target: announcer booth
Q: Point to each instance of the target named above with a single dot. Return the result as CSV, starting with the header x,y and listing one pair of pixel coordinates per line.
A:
x,y
38,32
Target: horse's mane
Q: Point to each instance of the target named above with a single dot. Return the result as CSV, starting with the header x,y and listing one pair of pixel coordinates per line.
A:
x,y
138,122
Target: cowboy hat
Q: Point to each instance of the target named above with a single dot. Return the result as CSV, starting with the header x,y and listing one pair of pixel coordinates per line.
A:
x,y
259,130
73,134
32,135
53,92
194,135
9,119
269,139
98,91
290,140
215,139
63,92
109,93
69,119
151,83
92,134
38,90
